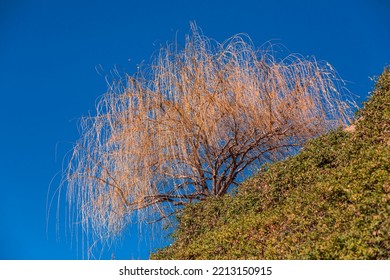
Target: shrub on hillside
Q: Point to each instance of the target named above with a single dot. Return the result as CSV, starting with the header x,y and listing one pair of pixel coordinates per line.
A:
x,y
331,201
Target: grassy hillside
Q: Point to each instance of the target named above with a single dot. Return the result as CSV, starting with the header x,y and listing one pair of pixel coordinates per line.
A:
x,y
331,201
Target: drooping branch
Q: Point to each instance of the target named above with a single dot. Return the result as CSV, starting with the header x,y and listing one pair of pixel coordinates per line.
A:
x,y
198,120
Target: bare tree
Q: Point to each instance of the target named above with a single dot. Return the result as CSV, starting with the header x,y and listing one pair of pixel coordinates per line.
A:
x,y
194,125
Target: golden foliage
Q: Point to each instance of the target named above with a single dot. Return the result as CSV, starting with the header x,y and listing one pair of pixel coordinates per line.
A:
x,y
193,126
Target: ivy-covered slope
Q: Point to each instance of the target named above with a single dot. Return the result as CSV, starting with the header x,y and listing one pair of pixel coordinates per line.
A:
x,y
331,201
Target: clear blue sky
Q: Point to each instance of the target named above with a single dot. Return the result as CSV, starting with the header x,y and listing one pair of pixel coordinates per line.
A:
x,y
49,52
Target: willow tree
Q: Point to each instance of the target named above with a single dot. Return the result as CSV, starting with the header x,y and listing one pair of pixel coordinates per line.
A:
x,y
199,121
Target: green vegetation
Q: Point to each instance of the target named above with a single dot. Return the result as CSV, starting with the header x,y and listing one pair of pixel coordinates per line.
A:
x,y
331,201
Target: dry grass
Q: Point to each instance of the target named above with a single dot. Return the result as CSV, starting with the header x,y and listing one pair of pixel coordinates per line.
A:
x,y
190,126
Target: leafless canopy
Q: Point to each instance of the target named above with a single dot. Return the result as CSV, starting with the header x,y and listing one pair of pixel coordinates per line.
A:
x,y
195,124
